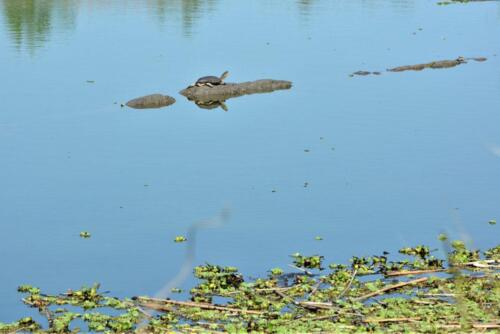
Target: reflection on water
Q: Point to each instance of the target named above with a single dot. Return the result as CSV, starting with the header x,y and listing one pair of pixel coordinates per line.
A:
x,y
188,11
30,21
212,105
370,162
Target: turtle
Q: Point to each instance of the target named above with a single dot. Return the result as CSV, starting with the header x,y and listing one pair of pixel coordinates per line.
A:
x,y
211,80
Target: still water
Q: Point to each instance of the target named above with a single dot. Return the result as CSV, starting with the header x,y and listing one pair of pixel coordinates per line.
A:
x,y
389,161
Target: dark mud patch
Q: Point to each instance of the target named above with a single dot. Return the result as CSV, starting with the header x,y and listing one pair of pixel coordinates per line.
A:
x,y
151,101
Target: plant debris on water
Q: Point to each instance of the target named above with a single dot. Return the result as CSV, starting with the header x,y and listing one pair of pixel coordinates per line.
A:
x,y
85,235
414,292
180,238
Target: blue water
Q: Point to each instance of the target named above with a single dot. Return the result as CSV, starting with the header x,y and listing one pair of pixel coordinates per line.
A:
x,y
393,160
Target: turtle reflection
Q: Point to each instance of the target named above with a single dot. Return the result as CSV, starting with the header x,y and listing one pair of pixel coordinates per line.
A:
x,y
212,104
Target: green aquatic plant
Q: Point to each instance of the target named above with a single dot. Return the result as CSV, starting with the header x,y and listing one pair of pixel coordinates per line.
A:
x,y
308,262
85,235
371,294
461,254
180,238
442,237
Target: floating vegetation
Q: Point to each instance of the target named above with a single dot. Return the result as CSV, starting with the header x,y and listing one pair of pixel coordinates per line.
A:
x,y
442,237
492,222
85,235
416,292
180,238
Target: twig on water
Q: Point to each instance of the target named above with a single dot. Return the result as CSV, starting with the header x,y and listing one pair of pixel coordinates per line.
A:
x,y
493,325
282,295
317,305
432,295
348,284
159,304
412,272
382,320
484,264
305,271
392,287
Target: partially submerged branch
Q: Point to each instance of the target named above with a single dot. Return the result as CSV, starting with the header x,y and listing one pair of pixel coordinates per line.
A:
x,y
230,90
435,64
392,287
159,305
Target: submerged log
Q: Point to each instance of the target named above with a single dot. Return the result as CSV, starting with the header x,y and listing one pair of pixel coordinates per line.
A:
x,y
229,90
435,64
151,101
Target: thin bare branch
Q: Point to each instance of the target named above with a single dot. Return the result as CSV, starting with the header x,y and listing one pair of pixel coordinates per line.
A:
x,y
158,304
392,287
412,272
348,284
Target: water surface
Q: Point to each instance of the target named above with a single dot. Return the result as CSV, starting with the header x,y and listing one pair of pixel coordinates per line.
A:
x,y
392,160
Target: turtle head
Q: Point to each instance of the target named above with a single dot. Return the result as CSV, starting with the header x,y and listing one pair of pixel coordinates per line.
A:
x,y
224,75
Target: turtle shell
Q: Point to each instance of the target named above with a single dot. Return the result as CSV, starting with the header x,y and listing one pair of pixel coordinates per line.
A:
x,y
209,79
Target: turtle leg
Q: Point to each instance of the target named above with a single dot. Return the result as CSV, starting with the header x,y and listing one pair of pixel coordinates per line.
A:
x,y
209,85
223,105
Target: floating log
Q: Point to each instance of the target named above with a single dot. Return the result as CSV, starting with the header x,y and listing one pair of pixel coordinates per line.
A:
x,y
230,90
151,101
435,64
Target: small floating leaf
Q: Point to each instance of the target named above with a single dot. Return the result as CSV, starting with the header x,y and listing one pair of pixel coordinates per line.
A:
x,y
442,237
492,222
85,235
276,271
180,238
318,238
